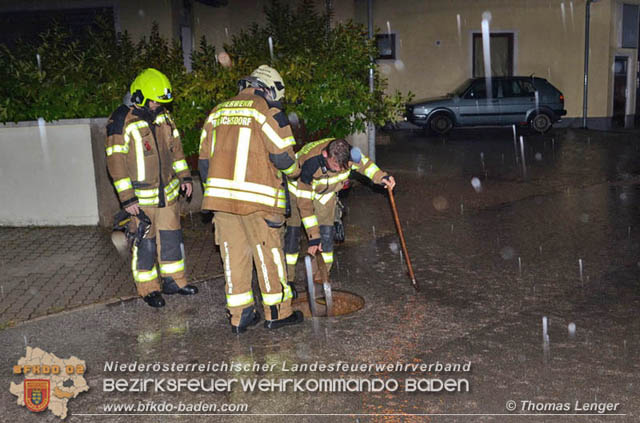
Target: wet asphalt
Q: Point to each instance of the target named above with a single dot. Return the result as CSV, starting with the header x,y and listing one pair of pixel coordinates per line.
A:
x,y
527,272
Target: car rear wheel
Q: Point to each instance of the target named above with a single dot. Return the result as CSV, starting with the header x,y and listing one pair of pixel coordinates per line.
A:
x,y
441,123
541,123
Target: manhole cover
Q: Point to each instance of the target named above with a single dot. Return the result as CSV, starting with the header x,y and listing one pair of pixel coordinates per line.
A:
x,y
343,303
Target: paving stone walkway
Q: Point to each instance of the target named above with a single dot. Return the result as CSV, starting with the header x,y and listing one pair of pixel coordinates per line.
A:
x,y
44,270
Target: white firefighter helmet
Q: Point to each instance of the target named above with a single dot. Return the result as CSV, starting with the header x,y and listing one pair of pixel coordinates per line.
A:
x,y
271,80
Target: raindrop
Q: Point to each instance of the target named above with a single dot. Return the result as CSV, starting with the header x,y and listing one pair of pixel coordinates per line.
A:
x,y
515,143
581,268
524,163
629,232
571,9
520,266
476,184
25,340
563,13
459,29
545,338
293,119
141,13
584,218
461,208
440,203
389,29
226,32
373,229
393,247
545,329
507,253
39,63
2,289
538,156
271,47
540,248
572,329
399,64
486,49
623,196
482,160
452,228
44,143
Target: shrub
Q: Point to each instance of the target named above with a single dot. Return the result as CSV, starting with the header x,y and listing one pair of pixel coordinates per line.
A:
x,y
325,71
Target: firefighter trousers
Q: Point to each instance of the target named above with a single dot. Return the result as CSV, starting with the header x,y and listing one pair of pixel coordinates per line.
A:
x,y
325,212
247,240
160,254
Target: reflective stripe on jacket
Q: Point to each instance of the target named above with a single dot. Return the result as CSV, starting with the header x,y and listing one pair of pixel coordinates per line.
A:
x,y
324,185
145,157
239,143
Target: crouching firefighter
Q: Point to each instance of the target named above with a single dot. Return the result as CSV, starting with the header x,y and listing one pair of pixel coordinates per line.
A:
x,y
326,165
246,148
147,165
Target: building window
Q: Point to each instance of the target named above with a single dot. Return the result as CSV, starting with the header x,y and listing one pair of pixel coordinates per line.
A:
x,y
629,26
501,54
386,46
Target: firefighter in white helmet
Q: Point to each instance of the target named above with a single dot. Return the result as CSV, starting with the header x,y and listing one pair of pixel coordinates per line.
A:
x,y
246,146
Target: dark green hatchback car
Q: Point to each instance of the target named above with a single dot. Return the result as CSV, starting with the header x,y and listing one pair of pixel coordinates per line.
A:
x,y
513,100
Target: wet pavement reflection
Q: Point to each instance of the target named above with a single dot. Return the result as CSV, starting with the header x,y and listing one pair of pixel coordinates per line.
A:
x,y
531,278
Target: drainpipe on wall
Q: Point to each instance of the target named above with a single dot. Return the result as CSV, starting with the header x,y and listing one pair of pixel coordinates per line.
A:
x,y
587,19
371,127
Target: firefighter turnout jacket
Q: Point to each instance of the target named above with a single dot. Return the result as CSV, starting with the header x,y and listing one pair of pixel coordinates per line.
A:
x,y
245,146
144,156
320,184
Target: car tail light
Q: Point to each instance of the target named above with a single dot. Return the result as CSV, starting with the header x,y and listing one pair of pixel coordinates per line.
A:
x,y
561,97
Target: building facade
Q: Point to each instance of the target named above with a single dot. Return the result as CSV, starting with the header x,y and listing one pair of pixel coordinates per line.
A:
x,y
427,47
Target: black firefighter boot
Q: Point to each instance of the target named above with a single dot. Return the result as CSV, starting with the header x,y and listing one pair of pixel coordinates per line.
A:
x,y
154,299
295,318
170,287
250,317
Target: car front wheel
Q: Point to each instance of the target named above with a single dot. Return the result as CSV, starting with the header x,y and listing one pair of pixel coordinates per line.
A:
x,y
541,123
441,123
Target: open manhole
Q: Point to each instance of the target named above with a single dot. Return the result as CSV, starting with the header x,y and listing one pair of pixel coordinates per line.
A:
x,y
343,303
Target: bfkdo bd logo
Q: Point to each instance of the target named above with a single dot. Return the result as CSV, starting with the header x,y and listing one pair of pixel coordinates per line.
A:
x,y
36,394
49,382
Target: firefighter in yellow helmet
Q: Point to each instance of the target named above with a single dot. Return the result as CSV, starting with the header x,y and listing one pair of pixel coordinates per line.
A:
x,y
326,165
147,165
246,147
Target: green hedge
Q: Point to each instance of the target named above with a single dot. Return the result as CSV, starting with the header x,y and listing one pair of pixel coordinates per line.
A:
x,y
325,72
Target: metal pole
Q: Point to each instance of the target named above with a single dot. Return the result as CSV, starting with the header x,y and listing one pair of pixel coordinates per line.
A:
x,y
370,126
587,18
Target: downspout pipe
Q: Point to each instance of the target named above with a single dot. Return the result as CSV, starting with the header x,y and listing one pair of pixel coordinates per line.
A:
x,y
371,127
587,19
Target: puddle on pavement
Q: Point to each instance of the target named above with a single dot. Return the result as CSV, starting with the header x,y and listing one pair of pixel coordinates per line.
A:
x,y
344,303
